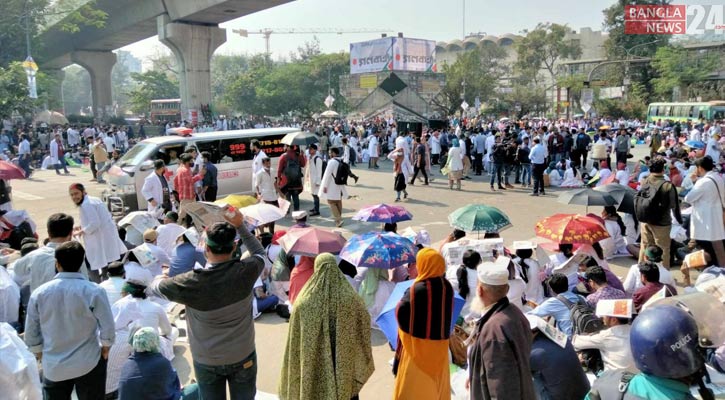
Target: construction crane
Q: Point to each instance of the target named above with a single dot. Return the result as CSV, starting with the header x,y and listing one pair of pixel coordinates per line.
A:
x,y
267,32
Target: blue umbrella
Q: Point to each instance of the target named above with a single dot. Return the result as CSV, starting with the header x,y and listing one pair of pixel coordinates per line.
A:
x,y
389,325
695,144
379,250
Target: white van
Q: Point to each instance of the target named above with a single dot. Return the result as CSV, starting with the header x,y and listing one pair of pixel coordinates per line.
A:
x,y
230,151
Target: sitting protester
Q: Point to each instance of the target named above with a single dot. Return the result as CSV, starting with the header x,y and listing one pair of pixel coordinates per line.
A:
x,y
612,342
650,277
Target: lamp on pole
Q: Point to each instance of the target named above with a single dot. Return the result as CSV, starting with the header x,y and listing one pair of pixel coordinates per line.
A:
x,y
627,56
29,65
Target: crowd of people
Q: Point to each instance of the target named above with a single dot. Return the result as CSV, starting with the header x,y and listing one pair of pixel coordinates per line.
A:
x,y
101,316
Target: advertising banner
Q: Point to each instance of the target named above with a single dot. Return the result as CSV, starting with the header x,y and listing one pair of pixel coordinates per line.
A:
x,y
371,56
414,55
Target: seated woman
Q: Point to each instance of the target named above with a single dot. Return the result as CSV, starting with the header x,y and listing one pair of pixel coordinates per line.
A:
x,y
375,289
554,175
572,177
148,375
604,173
464,279
614,245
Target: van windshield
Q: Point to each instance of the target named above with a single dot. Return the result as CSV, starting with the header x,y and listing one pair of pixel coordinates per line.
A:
x,y
137,154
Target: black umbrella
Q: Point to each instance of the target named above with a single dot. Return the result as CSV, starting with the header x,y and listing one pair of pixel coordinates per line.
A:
x,y
587,197
623,194
300,139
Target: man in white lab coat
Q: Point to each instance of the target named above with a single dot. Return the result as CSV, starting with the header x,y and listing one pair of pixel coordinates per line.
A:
x,y
157,192
330,190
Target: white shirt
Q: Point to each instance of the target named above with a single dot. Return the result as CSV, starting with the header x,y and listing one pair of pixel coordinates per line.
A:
x,y
264,185
257,162
713,149
109,143
632,282
613,343
537,154
623,177
145,313
113,286
472,279
435,145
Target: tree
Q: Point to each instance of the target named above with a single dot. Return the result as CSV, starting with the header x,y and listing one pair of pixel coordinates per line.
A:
x,y
76,89
481,69
14,91
678,67
121,81
151,85
224,70
307,51
240,93
542,48
66,15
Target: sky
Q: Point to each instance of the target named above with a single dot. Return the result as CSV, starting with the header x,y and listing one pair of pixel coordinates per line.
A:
x,y
426,19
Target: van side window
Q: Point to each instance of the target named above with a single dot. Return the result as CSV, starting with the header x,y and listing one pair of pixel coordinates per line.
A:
x,y
272,145
212,146
170,153
237,149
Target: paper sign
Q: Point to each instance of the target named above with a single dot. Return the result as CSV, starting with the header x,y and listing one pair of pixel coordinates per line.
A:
x,y
453,252
144,255
620,308
661,294
571,266
695,259
552,333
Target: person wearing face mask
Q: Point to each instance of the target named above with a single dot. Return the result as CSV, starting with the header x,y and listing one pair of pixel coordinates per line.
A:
x,y
156,191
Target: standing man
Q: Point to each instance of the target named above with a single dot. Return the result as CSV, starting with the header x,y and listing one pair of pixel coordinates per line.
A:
x,y
156,191
184,182
324,144
581,149
499,358
373,145
654,216
74,137
708,200
70,329
266,189
420,162
622,146
218,302
538,162
209,185
289,175
313,178
100,155
24,155
479,149
98,230
333,191
713,147
435,147
655,142
259,155
57,154
556,145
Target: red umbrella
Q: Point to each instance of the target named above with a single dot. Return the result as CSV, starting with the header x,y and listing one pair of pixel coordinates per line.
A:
x,y
10,171
571,228
311,241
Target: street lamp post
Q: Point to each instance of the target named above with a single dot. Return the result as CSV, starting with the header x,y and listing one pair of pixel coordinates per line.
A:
x,y
627,57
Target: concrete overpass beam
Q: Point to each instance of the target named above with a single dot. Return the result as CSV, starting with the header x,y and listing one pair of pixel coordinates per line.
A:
x,y
99,65
193,46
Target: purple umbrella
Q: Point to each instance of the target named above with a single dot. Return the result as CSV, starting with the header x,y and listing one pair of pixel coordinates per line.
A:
x,y
383,213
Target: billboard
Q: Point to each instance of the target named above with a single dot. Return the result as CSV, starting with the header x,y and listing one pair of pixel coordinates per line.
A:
x,y
393,54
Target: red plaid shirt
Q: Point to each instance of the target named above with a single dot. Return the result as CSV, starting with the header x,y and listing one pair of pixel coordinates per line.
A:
x,y
184,183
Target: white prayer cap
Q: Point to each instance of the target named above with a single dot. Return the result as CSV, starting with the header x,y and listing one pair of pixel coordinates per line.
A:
x,y
298,214
494,273
137,274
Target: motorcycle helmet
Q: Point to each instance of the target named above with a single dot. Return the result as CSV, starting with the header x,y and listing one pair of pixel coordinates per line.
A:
x,y
664,342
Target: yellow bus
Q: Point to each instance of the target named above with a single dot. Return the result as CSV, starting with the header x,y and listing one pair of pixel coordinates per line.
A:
x,y
165,110
709,110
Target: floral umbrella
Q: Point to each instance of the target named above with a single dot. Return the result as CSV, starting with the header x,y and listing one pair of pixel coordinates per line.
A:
x,y
378,250
311,241
383,213
571,228
478,217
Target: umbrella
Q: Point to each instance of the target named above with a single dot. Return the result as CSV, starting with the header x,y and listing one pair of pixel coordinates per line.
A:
x,y
478,217
504,119
571,228
379,250
389,324
50,118
237,200
263,213
417,235
383,213
311,241
179,131
300,139
10,171
624,195
695,144
587,197
329,114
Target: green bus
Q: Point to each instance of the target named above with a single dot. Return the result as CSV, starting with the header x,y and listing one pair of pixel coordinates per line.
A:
x,y
708,111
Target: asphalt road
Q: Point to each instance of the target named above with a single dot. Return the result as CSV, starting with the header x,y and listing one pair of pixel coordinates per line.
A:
x,y
430,205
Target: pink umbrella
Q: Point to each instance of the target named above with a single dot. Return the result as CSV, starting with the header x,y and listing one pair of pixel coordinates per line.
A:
x,y
311,241
10,171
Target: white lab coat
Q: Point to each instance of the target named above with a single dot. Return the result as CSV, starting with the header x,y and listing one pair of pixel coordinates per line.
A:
x,y
257,162
313,177
100,236
152,189
334,191
706,220
54,156
373,146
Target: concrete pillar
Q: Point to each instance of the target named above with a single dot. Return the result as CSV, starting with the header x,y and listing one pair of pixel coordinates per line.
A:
x,y
99,65
193,46
55,92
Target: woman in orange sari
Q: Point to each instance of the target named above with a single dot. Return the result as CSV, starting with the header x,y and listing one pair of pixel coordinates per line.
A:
x,y
424,321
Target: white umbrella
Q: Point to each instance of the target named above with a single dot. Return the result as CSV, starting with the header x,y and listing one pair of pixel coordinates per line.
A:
x,y
329,114
263,213
504,119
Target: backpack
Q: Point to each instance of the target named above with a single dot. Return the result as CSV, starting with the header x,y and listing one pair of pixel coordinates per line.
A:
x,y
343,171
522,156
293,172
648,204
583,319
